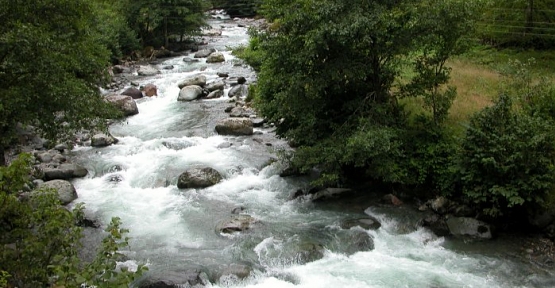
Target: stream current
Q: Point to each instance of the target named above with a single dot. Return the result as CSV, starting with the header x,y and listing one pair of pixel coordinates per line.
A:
x,y
174,229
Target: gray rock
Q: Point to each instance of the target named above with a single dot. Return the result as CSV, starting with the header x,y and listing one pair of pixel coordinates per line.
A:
x,y
64,171
103,140
61,147
215,57
240,112
352,241
199,178
124,103
368,223
190,60
188,278
330,193
237,223
147,71
241,80
240,271
258,122
235,126
189,93
133,92
204,53
66,191
215,94
222,74
216,85
440,205
199,80
238,91
463,226
45,157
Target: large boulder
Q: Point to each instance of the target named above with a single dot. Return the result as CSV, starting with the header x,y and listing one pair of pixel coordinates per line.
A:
x,y
66,190
147,71
198,178
103,140
189,93
204,53
64,171
133,92
150,90
199,80
124,103
464,226
216,85
235,126
236,223
351,241
215,57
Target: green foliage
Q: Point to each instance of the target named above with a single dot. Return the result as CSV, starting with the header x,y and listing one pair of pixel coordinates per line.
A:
x,y
51,61
440,38
330,81
39,240
156,21
520,23
507,159
252,53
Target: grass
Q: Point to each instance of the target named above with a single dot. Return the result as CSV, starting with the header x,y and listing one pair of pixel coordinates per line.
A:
x,y
477,75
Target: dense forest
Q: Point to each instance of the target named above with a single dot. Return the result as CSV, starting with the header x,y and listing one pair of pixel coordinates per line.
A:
x,y
362,89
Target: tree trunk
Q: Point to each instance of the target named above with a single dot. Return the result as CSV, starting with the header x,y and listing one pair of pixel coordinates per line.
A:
x,y
529,16
2,156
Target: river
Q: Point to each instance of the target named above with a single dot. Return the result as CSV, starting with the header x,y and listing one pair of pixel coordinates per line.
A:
x,y
174,230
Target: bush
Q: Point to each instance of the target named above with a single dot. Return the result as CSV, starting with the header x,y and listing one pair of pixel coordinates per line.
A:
x,y
507,160
40,240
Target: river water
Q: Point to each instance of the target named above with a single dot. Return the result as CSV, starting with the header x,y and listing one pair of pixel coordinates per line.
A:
x,y
173,230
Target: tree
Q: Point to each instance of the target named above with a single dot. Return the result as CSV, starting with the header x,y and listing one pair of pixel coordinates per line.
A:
x,y
329,74
51,61
156,21
40,239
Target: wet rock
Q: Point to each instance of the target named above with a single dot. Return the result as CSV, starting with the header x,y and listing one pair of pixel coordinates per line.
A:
x,y
237,223
133,92
204,53
118,69
392,199
258,122
103,140
440,205
368,223
190,60
241,80
228,109
235,126
147,71
124,103
199,178
436,223
150,90
222,74
188,278
216,85
237,271
240,112
163,53
330,193
352,241
215,94
64,171
189,93
61,147
168,67
463,226
199,80
44,157
216,57
66,191
238,91
238,210
212,32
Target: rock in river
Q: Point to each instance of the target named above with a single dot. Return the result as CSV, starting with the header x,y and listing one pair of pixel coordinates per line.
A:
x,y
198,178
